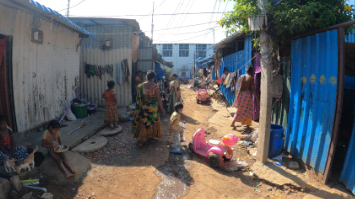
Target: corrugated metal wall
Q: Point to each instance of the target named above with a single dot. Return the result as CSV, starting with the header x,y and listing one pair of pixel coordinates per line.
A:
x,y
145,62
93,87
313,97
43,74
280,110
235,61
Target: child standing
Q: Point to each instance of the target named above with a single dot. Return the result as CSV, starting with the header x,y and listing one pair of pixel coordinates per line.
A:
x,y
7,143
111,112
174,124
51,140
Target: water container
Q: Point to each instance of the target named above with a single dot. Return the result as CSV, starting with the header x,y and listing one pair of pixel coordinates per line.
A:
x,y
81,110
276,140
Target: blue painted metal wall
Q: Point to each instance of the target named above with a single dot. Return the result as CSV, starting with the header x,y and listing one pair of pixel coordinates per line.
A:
x,y
347,175
313,97
235,62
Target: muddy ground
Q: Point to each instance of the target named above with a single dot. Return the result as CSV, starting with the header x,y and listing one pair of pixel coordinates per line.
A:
x,y
123,170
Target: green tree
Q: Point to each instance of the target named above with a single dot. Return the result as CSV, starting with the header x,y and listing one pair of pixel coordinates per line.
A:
x,y
290,18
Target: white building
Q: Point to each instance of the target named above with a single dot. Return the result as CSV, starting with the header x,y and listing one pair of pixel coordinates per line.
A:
x,y
182,55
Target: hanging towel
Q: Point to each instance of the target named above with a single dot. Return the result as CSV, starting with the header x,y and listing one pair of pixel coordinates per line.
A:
x,y
226,80
125,71
228,86
119,78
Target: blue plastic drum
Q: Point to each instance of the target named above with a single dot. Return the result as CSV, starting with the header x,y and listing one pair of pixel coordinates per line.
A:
x,y
276,140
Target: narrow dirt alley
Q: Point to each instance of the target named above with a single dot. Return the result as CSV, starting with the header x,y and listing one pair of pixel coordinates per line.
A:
x,y
123,170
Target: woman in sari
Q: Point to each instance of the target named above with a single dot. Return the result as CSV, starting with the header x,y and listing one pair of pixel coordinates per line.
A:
x,y
244,100
174,89
146,122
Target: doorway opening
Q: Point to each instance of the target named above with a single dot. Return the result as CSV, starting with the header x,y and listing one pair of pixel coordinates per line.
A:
x,y
348,115
7,107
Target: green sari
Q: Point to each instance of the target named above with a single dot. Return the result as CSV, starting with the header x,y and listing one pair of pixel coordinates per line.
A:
x,y
146,119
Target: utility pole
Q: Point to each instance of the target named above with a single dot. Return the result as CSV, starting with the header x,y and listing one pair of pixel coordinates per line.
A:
x,y
152,39
214,36
152,23
68,8
266,97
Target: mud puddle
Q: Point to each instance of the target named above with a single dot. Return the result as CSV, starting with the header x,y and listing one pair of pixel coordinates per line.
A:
x,y
174,174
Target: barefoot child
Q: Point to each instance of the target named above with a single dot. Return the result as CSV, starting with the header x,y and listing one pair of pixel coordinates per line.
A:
x,y
174,124
8,148
51,140
111,113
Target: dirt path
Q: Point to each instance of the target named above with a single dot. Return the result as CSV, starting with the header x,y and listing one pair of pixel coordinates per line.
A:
x,y
123,170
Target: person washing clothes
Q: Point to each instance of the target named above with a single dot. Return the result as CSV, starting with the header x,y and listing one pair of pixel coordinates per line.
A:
x,y
174,124
111,112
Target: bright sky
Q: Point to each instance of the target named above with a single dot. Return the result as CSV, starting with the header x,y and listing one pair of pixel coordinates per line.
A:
x,y
120,9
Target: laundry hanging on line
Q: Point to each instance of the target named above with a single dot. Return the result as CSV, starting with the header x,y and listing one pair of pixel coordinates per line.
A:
x,y
98,70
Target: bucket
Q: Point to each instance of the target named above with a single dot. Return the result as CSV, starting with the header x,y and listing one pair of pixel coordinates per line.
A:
x,y
81,110
276,140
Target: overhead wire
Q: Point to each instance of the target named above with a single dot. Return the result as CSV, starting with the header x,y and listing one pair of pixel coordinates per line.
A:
x,y
182,22
72,6
188,38
171,19
214,7
163,14
152,11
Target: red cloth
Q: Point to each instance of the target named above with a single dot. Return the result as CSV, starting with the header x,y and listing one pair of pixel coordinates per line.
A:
x,y
6,142
220,80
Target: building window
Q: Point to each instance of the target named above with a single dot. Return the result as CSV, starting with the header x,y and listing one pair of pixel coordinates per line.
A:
x,y
183,50
201,50
167,50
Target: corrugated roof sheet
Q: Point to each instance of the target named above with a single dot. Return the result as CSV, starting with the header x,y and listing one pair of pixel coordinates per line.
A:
x,y
46,9
227,40
93,21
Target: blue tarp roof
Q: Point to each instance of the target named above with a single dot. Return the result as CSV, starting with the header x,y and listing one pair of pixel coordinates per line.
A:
x,y
42,7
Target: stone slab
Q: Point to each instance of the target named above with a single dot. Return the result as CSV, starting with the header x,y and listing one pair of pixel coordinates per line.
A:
x,y
50,168
277,175
94,123
2,192
16,183
93,144
6,185
109,132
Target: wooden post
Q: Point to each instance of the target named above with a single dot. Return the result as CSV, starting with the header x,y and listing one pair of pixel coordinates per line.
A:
x,y
266,95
